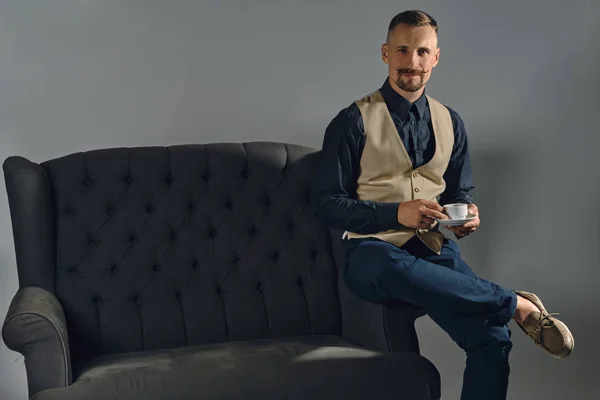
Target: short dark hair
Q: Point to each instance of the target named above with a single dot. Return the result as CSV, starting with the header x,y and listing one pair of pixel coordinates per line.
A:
x,y
412,18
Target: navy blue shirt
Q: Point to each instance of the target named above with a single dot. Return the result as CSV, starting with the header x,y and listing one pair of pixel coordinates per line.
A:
x,y
334,189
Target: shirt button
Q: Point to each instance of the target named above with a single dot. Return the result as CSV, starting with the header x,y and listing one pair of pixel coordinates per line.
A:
x,y
415,175
417,190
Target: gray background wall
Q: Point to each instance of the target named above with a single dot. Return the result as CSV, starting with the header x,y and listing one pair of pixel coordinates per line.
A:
x,y
78,75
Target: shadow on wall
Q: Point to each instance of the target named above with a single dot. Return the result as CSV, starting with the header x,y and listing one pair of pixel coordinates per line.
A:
x,y
494,172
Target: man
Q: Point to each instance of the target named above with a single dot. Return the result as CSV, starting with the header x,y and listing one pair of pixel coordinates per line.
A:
x,y
390,161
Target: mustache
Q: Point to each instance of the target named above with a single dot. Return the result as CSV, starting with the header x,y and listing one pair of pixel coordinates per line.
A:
x,y
411,71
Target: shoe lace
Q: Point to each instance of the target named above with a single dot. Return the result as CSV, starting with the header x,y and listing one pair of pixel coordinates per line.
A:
x,y
543,323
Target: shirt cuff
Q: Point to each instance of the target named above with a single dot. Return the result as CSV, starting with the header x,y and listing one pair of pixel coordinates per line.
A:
x,y
387,216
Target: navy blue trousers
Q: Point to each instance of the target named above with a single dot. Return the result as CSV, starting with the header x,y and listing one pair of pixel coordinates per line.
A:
x,y
472,310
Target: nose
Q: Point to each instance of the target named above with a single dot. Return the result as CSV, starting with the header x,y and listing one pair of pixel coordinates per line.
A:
x,y
414,60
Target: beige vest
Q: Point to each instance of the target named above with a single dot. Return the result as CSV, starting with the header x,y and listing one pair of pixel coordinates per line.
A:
x,y
387,173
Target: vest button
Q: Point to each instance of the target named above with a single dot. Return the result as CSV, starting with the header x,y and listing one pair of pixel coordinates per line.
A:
x,y
417,190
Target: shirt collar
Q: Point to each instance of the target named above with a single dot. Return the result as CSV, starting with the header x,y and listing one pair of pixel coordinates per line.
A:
x,y
401,106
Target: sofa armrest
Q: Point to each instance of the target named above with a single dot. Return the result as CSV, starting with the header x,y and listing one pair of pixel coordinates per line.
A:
x,y
35,327
383,327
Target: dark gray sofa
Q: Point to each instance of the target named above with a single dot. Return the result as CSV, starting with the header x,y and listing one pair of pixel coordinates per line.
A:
x,y
194,272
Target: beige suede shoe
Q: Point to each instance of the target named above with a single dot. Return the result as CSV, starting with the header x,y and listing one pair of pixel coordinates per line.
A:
x,y
547,332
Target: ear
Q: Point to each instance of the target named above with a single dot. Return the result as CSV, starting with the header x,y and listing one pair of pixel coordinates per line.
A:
x,y
385,53
437,57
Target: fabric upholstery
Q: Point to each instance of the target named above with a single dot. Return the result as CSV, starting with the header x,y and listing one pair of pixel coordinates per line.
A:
x,y
316,367
32,215
184,245
35,326
145,249
382,327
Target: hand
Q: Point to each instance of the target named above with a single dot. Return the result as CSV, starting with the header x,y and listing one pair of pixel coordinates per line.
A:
x,y
420,213
469,227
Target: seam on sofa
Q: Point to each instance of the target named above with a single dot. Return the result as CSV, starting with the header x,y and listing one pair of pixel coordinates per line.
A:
x,y
385,336
62,342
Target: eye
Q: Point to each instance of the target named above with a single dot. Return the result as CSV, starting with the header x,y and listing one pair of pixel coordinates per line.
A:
x,y
423,52
402,51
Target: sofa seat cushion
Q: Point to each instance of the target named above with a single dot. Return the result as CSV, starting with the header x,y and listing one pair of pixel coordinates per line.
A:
x,y
311,367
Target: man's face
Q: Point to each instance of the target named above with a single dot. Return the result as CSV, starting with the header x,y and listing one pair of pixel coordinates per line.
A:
x,y
411,53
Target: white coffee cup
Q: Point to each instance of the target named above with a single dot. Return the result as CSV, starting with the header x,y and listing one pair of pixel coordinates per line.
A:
x,y
457,210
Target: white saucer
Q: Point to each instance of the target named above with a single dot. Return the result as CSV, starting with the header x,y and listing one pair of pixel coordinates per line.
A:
x,y
454,222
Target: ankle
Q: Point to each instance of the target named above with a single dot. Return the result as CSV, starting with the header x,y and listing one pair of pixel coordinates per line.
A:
x,y
520,316
524,308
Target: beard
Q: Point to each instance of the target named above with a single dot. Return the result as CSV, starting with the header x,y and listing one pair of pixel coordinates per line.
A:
x,y
413,84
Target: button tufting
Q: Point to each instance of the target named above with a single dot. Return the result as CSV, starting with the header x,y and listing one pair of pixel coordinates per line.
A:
x,y
156,268
206,177
150,209
178,295
191,207
212,233
136,298
275,257
113,269
169,180
72,270
173,237
268,202
253,231
195,264
245,174
111,211
87,182
290,227
69,210
127,180
313,254
300,282
235,260
229,204
132,239
260,287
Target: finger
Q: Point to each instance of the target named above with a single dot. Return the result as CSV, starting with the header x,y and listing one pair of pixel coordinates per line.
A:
x,y
431,213
455,229
434,214
433,205
424,225
427,220
458,232
473,209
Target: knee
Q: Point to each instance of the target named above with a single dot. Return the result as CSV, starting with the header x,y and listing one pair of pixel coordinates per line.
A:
x,y
363,277
359,280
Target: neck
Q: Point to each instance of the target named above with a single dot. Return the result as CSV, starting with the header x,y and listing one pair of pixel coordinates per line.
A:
x,y
410,96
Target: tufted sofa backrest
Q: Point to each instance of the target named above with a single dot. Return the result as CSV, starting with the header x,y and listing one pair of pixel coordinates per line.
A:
x,y
160,247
